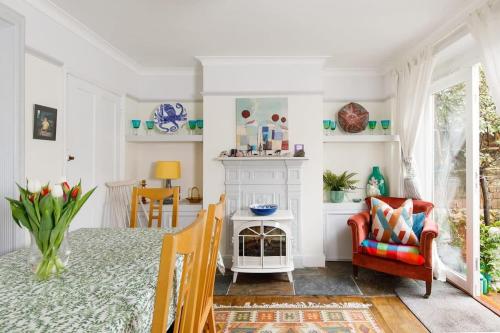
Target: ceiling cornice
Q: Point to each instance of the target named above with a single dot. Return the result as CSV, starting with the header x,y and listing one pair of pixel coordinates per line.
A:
x,y
63,18
353,71
439,36
66,20
261,60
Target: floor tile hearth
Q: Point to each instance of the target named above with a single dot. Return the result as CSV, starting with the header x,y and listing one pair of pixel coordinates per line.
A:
x,y
335,279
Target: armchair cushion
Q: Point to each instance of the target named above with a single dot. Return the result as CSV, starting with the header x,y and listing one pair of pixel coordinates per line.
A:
x,y
404,253
419,206
393,225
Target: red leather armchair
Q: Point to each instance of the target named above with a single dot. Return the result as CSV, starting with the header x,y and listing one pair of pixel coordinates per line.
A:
x,y
360,226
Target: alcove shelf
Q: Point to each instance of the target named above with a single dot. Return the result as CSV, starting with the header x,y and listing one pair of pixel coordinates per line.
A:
x,y
360,138
165,138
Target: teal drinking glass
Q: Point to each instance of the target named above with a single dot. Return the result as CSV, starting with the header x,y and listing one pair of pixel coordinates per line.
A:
x,y
326,126
192,125
199,124
333,126
385,125
150,124
371,125
136,124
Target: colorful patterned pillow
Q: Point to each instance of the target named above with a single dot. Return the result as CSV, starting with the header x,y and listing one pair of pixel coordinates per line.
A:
x,y
391,225
418,223
405,253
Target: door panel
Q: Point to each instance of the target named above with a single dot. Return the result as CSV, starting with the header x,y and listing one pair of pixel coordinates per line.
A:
x,y
456,170
92,136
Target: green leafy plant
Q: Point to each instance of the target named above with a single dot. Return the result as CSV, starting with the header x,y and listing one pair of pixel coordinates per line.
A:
x,y
47,213
489,247
341,182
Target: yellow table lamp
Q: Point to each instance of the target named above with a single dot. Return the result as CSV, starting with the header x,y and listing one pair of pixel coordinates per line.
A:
x,y
168,170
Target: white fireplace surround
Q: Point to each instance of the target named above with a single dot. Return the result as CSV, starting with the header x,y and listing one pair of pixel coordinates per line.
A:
x,y
276,180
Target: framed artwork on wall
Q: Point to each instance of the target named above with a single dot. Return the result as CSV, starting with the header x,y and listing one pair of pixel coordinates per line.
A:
x,y
262,124
44,123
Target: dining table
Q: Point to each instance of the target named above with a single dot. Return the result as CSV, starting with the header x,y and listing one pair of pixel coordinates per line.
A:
x,y
108,285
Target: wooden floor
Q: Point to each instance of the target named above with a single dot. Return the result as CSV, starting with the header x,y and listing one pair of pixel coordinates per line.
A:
x,y
492,301
391,314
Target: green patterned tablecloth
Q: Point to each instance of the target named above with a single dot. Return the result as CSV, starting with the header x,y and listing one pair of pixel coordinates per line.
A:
x,y
109,285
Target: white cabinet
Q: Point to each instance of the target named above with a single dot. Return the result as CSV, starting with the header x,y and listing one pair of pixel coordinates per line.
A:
x,y
338,238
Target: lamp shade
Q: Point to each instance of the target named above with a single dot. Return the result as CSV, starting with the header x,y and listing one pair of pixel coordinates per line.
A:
x,y
168,169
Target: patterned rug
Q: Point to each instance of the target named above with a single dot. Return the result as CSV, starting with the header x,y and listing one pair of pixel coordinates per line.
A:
x,y
296,318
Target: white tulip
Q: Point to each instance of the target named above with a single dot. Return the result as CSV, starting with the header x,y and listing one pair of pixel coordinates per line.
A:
x,y
57,191
34,186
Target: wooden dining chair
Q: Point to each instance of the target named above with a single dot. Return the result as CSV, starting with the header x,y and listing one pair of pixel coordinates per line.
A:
x,y
204,318
185,243
156,197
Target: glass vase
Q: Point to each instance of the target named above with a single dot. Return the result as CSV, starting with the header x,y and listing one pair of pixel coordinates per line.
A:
x,y
377,180
51,261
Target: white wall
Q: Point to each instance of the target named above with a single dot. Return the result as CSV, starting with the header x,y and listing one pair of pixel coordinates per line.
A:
x,y
44,86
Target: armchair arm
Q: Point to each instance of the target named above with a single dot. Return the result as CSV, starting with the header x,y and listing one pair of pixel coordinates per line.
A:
x,y
429,232
360,227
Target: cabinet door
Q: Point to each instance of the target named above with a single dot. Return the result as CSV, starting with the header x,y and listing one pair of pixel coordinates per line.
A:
x,y
185,218
338,238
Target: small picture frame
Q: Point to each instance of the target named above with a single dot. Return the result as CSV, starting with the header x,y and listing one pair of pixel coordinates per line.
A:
x,y
298,147
44,123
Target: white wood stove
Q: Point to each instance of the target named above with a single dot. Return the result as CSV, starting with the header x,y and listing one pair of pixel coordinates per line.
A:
x,y
262,244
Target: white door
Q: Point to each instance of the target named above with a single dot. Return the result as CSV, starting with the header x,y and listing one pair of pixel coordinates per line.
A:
x,y
92,130
11,135
455,101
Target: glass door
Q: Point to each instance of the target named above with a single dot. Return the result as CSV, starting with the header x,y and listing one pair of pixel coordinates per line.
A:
x,y
456,176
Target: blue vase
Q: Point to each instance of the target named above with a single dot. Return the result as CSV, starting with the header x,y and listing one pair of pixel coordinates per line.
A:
x,y
377,180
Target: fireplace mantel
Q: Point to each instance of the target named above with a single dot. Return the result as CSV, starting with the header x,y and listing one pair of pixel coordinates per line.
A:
x,y
274,179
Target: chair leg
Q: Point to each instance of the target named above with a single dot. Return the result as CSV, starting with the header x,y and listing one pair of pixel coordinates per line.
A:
x,y
211,321
355,271
428,288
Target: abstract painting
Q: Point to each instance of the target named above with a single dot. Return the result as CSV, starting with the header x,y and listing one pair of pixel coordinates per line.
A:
x,y
262,124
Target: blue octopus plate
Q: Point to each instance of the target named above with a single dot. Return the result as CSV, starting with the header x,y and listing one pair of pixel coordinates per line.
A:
x,y
168,118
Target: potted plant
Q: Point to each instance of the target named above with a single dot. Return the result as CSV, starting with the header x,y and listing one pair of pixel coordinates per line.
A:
x,y
338,184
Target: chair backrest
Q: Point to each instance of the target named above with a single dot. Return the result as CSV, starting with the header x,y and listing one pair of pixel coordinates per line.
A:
x,y
117,204
419,206
187,244
208,263
156,197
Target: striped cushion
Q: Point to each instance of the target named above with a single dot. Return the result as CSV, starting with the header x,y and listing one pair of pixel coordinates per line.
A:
x,y
391,225
405,253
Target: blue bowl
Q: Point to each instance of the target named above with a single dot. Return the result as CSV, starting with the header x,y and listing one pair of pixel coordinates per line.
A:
x,y
263,210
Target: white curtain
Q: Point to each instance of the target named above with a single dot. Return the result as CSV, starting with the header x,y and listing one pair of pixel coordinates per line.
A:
x,y
413,79
484,24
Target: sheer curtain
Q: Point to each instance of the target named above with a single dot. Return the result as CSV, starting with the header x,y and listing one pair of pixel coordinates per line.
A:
x,y
413,79
484,24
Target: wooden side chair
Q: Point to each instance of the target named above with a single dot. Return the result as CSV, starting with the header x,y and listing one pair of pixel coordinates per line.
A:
x,y
156,197
204,299
186,243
